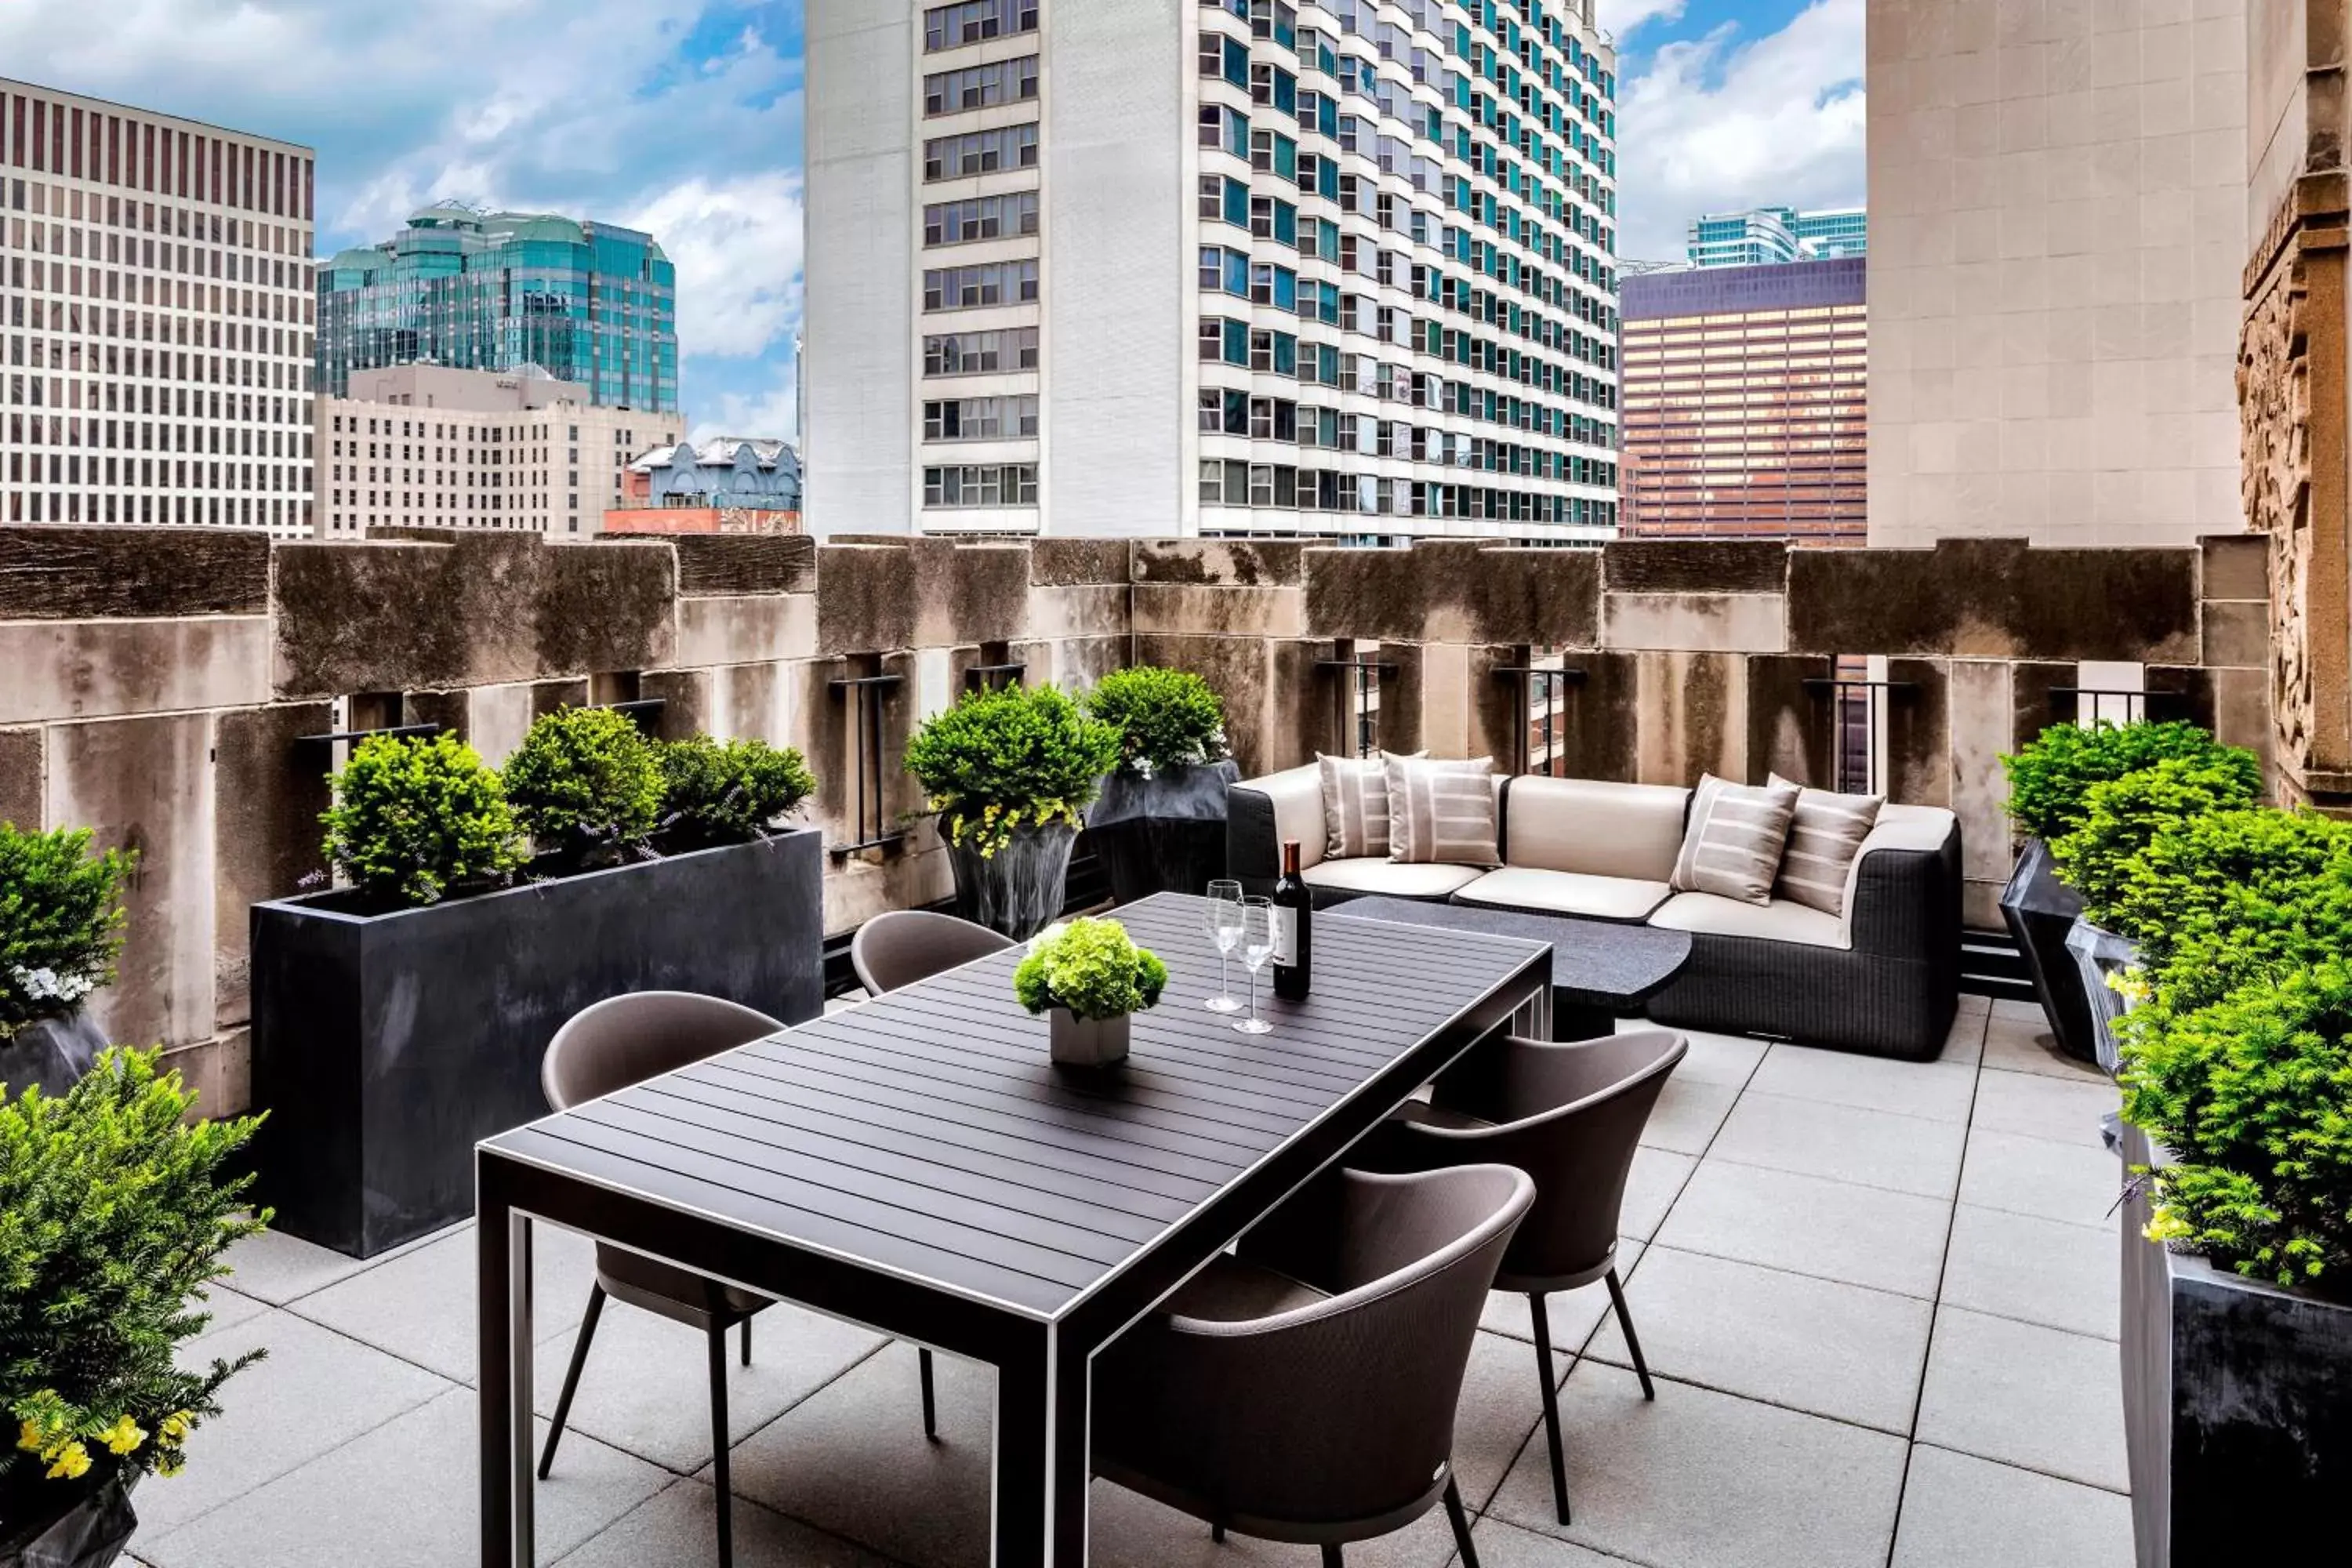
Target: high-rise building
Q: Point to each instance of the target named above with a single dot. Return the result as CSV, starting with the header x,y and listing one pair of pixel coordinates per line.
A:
x,y
1232,268
1746,397
155,312
1764,235
425,446
589,303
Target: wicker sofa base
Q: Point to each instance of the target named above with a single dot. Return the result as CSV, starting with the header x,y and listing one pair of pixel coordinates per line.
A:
x,y
1858,1001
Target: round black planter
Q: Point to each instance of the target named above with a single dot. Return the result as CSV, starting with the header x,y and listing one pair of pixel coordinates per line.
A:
x,y
1164,833
1018,890
65,1524
54,1053
2038,911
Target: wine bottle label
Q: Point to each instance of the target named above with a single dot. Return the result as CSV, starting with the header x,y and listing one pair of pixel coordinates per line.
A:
x,y
1286,937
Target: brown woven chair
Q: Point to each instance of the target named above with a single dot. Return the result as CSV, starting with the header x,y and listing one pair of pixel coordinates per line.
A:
x,y
906,945
1570,1114
1304,1389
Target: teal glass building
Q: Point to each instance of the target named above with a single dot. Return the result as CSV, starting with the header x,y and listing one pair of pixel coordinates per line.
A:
x,y
1763,235
589,302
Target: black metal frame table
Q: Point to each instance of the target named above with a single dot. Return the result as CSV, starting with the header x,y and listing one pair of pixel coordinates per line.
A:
x,y
1601,971
917,1165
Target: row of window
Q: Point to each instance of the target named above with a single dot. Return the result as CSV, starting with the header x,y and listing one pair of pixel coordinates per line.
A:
x,y
980,354
981,152
975,287
980,86
975,21
980,484
1277,486
981,418
980,217
216,511
1230,411
1227,340
152,217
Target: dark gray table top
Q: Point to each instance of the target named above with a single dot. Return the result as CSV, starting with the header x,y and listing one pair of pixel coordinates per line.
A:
x,y
1599,964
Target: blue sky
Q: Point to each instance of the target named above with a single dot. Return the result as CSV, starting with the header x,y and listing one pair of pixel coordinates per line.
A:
x,y
684,117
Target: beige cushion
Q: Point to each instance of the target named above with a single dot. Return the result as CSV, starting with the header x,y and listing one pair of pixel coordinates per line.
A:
x,y
1442,812
1780,920
1371,874
1355,805
1732,845
1297,799
1597,828
1824,837
1567,893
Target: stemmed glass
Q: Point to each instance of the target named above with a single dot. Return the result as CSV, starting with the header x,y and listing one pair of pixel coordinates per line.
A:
x,y
1257,946
1222,921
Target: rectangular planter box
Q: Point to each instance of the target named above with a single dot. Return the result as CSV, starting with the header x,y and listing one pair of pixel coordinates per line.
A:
x,y
2237,1406
385,1045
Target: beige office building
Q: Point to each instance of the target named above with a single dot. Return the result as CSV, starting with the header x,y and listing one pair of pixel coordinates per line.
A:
x,y
424,445
2058,219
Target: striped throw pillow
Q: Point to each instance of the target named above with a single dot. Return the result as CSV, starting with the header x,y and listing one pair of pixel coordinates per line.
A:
x,y
1442,812
1731,846
1355,806
1823,838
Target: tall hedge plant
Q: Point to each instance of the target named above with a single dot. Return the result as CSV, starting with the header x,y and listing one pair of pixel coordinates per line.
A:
x,y
2051,778
1014,758
60,921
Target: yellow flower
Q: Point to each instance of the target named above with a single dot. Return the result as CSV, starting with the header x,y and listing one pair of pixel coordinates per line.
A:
x,y
72,1461
31,1433
174,1428
123,1436
170,1464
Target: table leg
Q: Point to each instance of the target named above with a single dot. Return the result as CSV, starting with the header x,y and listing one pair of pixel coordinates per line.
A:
x,y
1041,1461
502,1289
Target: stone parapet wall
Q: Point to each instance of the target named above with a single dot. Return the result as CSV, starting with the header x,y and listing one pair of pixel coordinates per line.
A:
x,y
155,684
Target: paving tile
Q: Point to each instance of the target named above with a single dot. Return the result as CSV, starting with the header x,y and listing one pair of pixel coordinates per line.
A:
x,y
680,1526
1937,1090
1574,1314
1811,1345
2015,1045
2016,1012
1973,1002
314,1391
1959,1511
409,1491
1725,1059
1501,1404
1964,1043
1502,1545
228,1308
2042,1107
1868,1148
420,1305
1688,1114
2027,1396
647,1386
275,1268
1126,1530
1831,1230
2077,1181
2039,1270
1653,1182
1702,1479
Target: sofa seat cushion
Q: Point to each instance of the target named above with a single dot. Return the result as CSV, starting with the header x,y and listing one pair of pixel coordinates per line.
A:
x,y
1627,900
1594,827
1379,874
1711,914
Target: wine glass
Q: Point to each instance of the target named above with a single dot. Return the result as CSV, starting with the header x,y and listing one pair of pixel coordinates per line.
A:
x,y
1222,921
1257,946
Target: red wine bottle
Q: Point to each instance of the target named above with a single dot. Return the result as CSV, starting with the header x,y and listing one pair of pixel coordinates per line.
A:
x,y
1293,929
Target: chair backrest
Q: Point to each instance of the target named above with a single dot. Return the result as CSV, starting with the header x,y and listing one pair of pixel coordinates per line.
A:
x,y
629,1039
1569,1115
906,945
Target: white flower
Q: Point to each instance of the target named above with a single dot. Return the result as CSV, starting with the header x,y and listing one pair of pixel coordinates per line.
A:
x,y
1051,933
46,984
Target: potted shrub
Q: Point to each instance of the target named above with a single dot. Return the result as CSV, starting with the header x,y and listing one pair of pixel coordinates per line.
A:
x,y
60,929
119,1206
2048,780
400,1019
1089,975
1009,772
1159,822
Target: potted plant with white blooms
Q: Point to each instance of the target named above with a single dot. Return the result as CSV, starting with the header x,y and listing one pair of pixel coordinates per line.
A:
x,y
1091,977
60,929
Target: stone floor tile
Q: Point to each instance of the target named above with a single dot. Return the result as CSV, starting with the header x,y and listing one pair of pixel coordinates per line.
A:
x,y
1724,1059
1126,1530
1843,1143
1811,1345
2041,1107
1501,1404
1688,1114
647,1386
2078,1181
228,1308
1936,1090
1831,1230
2026,1395
1502,1545
1702,1479
1653,1183
2017,1012
275,1268
1964,1042
1974,1003
1574,1314
313,1391
1959,1511
2039,1271
680,1527
2016,1046
409,1491
420,1305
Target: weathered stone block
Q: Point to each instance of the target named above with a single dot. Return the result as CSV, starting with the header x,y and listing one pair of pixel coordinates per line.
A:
x,y
497,719
268,794
1600,734
1701,623
1444,707
746,628
1074,664
1057,562
2034,704
2237,632
2190,689
1789,728
450,710
1692,716
1456,591
2236,567
1994,598
685,701
552,696
117,572
1082,611
1986,698
1244,612
752,703
20,777
97,669
826,736
1398,692
1694,566
1495,705
919,593
1239,669
1230,563
1919,731
220,1071
715,563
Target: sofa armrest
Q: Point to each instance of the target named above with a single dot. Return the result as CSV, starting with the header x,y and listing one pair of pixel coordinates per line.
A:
x,y
1260,813
1903,898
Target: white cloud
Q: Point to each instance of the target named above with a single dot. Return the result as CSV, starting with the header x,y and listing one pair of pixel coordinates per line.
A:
x,y
739,240
769,415
1723,122
1621,17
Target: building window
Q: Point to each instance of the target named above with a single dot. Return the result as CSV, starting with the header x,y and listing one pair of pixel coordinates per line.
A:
x,y
971,21
975,287
980,485
980,354
980,217
980,86
981,153
981,418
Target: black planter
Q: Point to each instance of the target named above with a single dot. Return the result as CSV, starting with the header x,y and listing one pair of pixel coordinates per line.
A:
x,y
2237,1403
54,1053
1018,890
65,1524
1163,834
2099,953
2038,911
386,1045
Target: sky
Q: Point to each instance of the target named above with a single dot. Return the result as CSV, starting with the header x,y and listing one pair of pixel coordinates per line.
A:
x,y
683,117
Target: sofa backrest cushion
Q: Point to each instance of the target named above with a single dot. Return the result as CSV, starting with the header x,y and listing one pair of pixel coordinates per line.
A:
x,y
1442,812
1355,806
1596,828
1732,847
1824,839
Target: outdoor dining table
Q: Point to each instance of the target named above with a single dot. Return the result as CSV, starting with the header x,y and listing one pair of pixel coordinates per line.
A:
x,y
917,1165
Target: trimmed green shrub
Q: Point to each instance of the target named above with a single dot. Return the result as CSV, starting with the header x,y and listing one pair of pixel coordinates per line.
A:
x,y
2048,779
115,1208
585,779
2219,900
1003,760
417,817
60,921
730,792
2121,817
1093,968
1166,718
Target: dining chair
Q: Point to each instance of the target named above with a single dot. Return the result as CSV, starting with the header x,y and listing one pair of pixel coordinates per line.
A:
x,y
1570,1114
903,946
1303,1388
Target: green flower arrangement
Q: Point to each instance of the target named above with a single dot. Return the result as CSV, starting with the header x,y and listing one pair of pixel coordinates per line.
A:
x,y
585,779
1166,718
60,921
1091,967
1015,757
415,817
730,792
